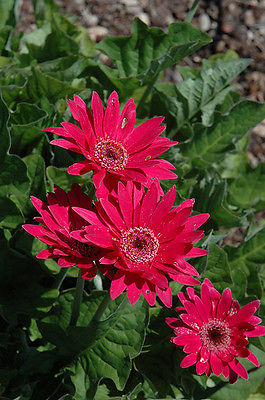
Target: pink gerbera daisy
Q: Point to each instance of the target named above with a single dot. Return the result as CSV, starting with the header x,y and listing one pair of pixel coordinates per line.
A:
x,y
214,331
57,221
112,146
146,239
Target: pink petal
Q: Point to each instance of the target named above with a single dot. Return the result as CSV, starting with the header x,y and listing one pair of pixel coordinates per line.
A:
x,y
244,313
216,364
163,208
75,132
126,120
80,168
98,114
133,293
88,215
66,144
165,296
47,253
149,203
99,236
117,284
148,291
224,304
125,203
63,262
98,177
113,214
196,221
195,252
57,130
239,369
257,331
201,367
88,272
111,115
252,358
189,360
157,171
144,134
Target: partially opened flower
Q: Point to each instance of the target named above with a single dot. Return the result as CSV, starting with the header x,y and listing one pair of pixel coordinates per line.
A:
x,y
146,239
214,331
57,220
112,146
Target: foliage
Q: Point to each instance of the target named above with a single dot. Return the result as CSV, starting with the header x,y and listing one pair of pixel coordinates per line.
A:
x,y
124,355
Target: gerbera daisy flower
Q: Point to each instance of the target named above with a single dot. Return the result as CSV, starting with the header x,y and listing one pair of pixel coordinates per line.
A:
x,y
112,146
214,331
57,220
146,239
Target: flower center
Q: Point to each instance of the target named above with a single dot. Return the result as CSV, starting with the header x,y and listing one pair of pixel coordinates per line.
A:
x,y
110,155
85,250
139,244
215,335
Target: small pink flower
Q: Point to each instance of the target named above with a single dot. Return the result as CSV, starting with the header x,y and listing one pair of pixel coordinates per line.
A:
x,y
57,221
112,146
214,331
146,239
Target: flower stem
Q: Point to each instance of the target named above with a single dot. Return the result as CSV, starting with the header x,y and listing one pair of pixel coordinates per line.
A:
x,y
80,283
192,11
60,278
102,307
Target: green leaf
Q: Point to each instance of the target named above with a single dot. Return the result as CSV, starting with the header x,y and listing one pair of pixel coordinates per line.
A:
x,y
245,261
6,7
4,134
202,94
10,215
248,190
149,50
36,174
105,349
217,268
42,85
13,177
60,177
20,288
211,143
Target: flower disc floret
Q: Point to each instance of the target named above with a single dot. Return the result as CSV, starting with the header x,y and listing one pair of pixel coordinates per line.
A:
x,y
139,244
215,335
111,155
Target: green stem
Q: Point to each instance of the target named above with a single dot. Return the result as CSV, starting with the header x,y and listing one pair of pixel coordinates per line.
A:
x,y
60,278
192,11
145,95
80,283
102,307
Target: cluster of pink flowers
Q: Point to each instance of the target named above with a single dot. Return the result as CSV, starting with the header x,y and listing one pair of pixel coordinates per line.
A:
x,y
134,235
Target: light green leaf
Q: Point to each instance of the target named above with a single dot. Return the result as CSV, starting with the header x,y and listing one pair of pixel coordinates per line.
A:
x,y
202,94
248,190
211,143
60,177
149,50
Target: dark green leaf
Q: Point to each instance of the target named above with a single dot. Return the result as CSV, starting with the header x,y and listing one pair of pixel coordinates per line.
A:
x,y
217,268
